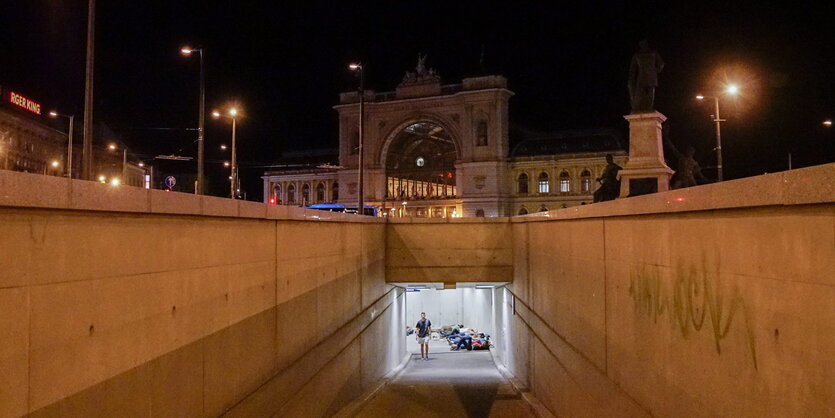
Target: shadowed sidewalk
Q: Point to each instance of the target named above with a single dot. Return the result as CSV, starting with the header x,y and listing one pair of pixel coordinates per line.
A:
x,y
450,384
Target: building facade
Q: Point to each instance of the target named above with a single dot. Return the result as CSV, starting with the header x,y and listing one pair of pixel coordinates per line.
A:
x,y
433,150
29,143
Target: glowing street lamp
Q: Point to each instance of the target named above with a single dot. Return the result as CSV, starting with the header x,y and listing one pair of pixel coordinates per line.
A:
x,y
113,147
54,114
55,163
731,89
232,114
222,146
115,181
827,123
187,51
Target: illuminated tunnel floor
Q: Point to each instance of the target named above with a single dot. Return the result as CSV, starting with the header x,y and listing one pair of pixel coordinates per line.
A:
x,y
450,384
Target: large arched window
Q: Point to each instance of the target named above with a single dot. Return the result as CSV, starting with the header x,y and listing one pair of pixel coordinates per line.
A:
x,y
277,194
306,194
544,186
565,182
523,183
543,208
291,194
335,192
420,162
320,193
523,211
585,181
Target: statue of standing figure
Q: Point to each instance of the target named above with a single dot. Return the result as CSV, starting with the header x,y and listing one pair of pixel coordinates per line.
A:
x,y
420,68
643,78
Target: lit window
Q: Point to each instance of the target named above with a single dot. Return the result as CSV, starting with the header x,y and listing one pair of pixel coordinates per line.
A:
x,y
523,211
544,186
585,181
565,182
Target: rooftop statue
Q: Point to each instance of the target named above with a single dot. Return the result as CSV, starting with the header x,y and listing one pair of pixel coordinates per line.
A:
x,y
422,74
643,78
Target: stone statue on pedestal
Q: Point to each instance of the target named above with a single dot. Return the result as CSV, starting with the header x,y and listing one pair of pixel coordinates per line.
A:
x,y
643,78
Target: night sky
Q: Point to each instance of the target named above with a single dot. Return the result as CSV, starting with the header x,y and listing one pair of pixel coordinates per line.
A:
x,y
285,63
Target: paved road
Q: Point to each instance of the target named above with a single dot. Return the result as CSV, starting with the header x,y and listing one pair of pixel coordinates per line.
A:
x,y
450,384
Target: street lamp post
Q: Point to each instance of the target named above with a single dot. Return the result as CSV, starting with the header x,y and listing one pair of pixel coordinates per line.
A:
x,y
731,89
201,121
113,147
358,67
87,129
233,180
69,140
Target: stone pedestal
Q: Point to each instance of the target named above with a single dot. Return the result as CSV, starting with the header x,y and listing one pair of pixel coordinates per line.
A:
x,y
645,170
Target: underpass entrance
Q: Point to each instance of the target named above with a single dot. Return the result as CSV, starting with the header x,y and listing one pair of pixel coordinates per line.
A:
x,y
452,383
463,312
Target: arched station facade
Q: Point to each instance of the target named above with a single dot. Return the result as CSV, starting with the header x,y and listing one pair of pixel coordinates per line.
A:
x,y
433,150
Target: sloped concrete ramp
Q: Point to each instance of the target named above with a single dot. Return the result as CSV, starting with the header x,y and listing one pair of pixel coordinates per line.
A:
x,y
449,384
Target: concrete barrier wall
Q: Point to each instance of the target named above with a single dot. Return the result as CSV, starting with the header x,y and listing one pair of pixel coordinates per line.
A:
x,y
717,300
119,301
454,250
713,300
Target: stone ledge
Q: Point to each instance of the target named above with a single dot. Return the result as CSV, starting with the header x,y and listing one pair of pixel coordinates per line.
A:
x,y
33,190
811,185
26,190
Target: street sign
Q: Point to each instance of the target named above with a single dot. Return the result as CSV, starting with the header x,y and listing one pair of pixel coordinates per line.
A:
x,y
170,181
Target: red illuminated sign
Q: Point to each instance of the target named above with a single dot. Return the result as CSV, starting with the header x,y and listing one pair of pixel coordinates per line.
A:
x,y
25,103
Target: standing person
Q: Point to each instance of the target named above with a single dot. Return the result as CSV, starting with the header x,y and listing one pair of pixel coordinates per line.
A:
x,y
424,329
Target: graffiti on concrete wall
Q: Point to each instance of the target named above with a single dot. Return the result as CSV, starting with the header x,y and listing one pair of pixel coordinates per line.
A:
x,y
691,299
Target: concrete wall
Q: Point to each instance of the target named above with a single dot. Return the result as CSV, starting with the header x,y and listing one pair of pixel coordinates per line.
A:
x,y
717,300
119,301
450,250
713,300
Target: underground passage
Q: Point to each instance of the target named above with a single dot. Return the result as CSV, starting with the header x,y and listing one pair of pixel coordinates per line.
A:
x,y
459,376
